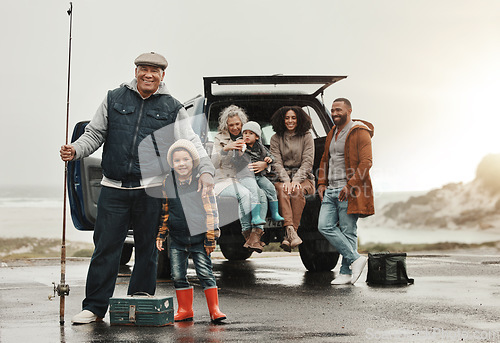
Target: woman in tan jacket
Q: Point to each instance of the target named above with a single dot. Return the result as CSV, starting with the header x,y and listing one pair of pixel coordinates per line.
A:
x,y
293,149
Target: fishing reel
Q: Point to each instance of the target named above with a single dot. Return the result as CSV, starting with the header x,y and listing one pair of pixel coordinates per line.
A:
x,y
61,290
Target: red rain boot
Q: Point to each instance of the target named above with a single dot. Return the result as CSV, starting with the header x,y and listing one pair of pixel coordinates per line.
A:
x,y
185,305
213,305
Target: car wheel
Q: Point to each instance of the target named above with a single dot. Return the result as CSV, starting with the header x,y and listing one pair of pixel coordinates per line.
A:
x,y
126,254
235,252
163,266
316,261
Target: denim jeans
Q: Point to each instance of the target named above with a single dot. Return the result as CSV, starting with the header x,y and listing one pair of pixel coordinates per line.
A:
x,y
242,194
263,205
254,183
339,228
117,211
257,195
179,261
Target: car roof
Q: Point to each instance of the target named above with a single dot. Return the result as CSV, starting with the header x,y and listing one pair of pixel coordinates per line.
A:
x,y
268,84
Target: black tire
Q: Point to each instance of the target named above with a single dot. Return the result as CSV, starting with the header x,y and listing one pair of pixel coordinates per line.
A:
x,y
235,252
126,254
316,261
163,266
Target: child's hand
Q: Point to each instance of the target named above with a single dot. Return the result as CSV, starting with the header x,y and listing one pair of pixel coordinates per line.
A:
x,y
159,244
209,250
236,145
268,160
258,166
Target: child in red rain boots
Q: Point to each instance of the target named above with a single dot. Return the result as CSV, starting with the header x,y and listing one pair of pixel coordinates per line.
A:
x,y
191,220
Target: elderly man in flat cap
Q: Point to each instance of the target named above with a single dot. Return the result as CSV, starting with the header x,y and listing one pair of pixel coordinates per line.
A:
x,y
140,111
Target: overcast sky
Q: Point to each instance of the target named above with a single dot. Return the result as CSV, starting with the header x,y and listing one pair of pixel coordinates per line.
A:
x,y
425,73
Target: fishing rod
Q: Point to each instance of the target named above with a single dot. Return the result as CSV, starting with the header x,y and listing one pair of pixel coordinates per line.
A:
x,y
62,288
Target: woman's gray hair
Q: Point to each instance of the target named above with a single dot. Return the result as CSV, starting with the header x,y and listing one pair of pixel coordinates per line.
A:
x,y
230,112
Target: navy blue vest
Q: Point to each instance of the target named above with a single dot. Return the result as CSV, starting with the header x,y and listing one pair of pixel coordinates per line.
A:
x,y
131,121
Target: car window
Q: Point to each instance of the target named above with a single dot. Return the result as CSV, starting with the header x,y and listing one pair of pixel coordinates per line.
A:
x,y
212,129
189,109
194,109
267,133
317,127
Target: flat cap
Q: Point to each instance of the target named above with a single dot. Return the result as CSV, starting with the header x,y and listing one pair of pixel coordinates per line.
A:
x,y
151,59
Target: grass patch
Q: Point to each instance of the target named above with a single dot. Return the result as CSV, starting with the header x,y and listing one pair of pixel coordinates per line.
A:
x,y
272,247
83,253
28,247
399,247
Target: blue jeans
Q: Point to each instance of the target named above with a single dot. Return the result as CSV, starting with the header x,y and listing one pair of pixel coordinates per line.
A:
x,y
339,228
242,195
179,254
254,183
257,195
117,211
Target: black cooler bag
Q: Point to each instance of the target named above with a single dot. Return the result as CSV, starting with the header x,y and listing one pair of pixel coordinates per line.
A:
x,y
387,269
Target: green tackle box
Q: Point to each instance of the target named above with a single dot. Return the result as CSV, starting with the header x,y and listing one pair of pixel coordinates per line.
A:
x,y
141,310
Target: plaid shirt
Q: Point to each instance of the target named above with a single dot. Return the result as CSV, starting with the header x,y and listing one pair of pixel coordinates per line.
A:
x,y
211,211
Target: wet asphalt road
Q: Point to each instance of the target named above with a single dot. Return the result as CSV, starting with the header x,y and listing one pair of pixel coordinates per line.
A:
x,y
456,297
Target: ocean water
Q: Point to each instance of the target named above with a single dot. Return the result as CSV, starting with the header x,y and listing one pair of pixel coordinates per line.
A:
x,y
369,232
37,212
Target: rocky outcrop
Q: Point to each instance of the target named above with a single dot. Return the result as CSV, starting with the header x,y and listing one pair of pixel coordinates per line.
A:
x,y
454,206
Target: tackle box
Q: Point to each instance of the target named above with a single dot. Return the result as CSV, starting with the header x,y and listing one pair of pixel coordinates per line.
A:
x,y
141,310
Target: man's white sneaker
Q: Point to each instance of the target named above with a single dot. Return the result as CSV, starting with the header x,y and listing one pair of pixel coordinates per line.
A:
x,y
357,268
342,279
85,317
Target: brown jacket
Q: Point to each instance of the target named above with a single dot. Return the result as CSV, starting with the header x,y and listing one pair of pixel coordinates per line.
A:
x,y
358,161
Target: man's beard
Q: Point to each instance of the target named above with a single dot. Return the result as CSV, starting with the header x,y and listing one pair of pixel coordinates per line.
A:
x,y
340,120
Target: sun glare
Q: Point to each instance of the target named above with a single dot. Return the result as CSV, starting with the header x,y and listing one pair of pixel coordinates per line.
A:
x,y
482,110
476,122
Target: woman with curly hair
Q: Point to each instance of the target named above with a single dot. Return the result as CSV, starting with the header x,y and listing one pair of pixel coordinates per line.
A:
x,y
293,149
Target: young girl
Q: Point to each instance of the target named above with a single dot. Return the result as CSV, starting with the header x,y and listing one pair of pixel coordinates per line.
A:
x,y
191,220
